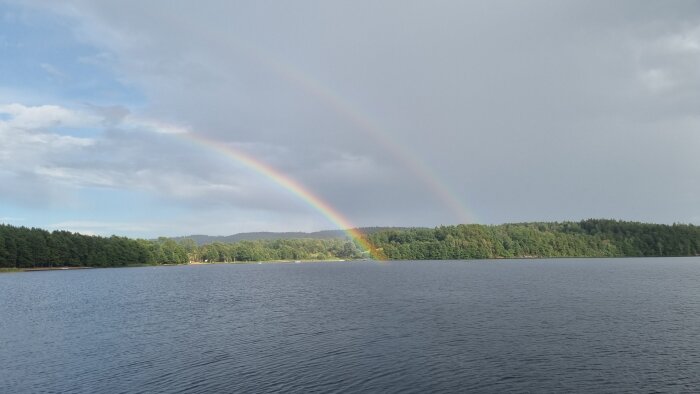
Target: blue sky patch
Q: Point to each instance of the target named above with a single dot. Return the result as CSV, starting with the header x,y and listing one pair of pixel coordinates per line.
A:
x,y
41,55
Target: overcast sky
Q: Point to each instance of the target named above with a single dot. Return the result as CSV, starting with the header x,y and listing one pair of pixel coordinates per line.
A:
x,y
397,113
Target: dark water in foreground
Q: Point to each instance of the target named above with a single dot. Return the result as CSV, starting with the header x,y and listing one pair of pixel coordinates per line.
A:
x,y
528,325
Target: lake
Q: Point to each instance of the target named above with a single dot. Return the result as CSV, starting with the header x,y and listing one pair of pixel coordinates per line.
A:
x,y
556,325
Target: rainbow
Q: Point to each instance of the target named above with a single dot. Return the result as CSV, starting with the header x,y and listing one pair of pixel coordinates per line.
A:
x,y
284,181
408,159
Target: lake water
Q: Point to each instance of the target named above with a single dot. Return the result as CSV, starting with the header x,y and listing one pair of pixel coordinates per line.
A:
x,y
610,325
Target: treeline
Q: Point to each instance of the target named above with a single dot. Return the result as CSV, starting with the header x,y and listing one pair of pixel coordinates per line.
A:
x,y
588,238
22,247
279,249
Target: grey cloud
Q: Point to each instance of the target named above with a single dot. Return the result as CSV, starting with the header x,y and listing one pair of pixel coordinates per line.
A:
x,y
526,110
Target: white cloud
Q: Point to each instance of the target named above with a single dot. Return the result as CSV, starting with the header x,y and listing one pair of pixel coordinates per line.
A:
x,y
132,122
90,227
656,80
45,116
670,62
79,176
27,139
687,41
53,71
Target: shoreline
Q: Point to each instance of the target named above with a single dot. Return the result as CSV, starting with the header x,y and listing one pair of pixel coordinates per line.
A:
x,y
35,269
274,261
68,268
39,269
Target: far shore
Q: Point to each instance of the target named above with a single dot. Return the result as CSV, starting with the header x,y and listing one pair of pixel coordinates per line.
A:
x,y
67,268
37,269
271,261
2,270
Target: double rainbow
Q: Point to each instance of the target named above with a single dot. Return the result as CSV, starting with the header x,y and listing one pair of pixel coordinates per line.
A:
x,y
366,125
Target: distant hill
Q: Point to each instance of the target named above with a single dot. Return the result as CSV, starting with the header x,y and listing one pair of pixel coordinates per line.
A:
x,y
200,239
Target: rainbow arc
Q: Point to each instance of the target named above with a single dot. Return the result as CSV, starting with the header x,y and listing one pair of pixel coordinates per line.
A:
x,y
293,186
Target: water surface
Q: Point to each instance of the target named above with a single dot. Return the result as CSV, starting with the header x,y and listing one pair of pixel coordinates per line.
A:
x,y
609,325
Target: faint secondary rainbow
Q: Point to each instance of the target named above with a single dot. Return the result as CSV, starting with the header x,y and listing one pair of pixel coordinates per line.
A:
x,y
411,161
262,168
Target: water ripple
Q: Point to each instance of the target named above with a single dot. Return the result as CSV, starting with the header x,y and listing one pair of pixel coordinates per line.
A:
x,y
411,327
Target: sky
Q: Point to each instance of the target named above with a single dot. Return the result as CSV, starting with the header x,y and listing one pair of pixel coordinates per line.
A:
x,y
167,118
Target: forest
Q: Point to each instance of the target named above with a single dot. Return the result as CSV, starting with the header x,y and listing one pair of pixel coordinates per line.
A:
x,y
587,238
22,247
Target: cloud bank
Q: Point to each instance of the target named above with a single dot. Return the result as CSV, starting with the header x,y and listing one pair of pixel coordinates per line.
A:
x,y
517,111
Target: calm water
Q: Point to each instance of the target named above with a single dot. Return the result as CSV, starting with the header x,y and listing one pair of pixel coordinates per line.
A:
x,y
447,326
